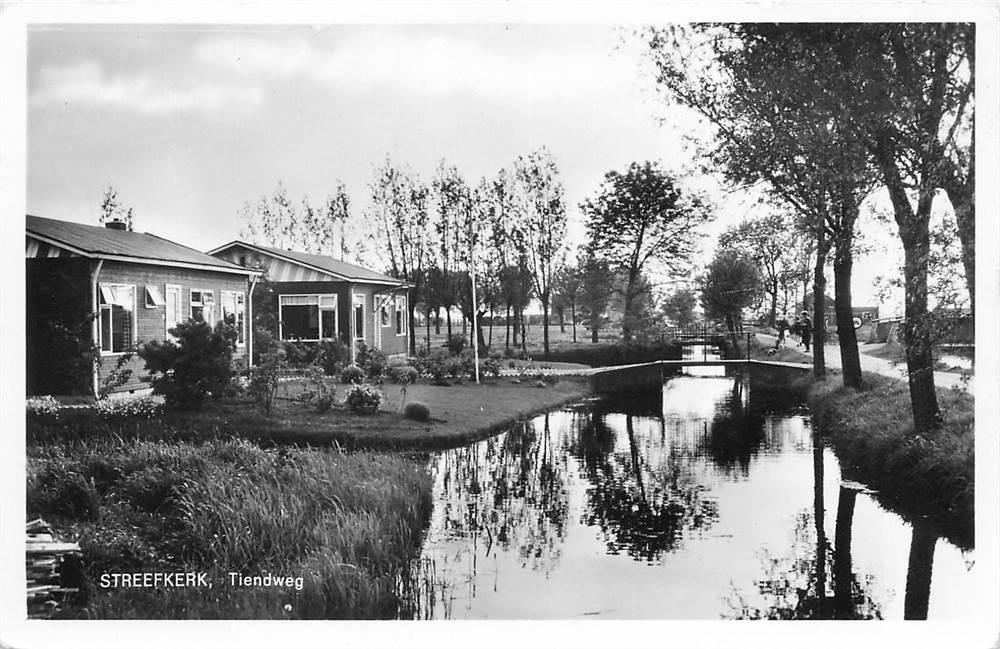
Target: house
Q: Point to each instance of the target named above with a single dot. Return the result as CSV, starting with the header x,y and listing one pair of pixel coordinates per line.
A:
x,y
114,288
319,298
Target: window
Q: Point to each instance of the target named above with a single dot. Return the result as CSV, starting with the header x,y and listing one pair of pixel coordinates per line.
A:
x,y
384,313
359,317
400,315
233,305
307,317
203,305
116,325
153,297
174,311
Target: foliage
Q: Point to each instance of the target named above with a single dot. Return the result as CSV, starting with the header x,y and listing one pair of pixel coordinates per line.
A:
x,y
730,285
417,411
332,356
352,375
455,344
142,407
372,361
264,379
491,366
319,391
679,305
113,210
119,374
198,365
640,218
403,374
45,406
347,523
595,293
363,399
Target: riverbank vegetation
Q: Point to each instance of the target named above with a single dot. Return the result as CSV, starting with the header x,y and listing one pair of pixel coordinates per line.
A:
x,y
347,524
872,432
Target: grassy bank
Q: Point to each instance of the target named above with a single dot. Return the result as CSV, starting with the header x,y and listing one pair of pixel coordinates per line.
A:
x,y
459,414
347,524
872,434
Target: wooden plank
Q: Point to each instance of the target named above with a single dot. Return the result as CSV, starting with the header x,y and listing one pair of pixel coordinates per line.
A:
x,y
49,548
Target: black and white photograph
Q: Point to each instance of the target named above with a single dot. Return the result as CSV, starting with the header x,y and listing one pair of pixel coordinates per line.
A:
x,y
501,315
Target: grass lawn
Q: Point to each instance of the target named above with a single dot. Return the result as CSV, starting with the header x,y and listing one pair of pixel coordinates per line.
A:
x,y
458,414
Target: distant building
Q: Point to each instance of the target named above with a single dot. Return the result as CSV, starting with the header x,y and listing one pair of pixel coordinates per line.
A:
x,y
862,314
116,289
319,298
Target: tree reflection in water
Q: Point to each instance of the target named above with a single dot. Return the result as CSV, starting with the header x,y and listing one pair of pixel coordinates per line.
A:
x,y
642,498
795,586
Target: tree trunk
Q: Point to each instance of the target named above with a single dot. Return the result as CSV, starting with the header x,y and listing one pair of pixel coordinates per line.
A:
x,y
493,317
428,330
545,324
447,315
506,323
819,310
480,336
915,235
774,301
731,325
572,306
627,308
524,333
562,321
843,264
437,320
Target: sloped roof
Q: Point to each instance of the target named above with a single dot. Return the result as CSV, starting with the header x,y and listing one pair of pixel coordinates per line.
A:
x,y
96,241
331,265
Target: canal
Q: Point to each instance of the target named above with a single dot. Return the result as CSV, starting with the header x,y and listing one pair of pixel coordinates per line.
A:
x,y
705,499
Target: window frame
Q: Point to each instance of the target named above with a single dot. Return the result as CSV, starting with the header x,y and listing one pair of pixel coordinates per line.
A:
x,y
364,315
210,304
401,324
239,300
334,310
148,294
100,320
180,310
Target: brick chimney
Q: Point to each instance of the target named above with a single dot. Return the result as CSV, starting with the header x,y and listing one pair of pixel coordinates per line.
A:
x,y
115,225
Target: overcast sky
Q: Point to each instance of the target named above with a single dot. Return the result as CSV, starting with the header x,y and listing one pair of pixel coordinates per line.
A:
x,y
190,123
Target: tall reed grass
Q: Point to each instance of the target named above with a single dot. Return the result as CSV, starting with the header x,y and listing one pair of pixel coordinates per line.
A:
x,y
347,523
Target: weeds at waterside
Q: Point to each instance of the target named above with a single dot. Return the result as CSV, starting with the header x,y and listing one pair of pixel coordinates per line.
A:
x,y
346,523
872,434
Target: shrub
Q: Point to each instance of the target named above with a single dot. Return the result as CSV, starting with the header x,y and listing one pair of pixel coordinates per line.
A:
x,y
491,366
45,406
199,364
403,374
436,364
363,399
320,393
353,375
332,356
144,407
264,379
417,411
372,361
455,344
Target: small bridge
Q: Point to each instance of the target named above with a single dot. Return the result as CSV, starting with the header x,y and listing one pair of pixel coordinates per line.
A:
x,y
647,375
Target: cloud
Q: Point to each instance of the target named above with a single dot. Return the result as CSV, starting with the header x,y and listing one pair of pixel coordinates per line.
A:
x,y
424,63
86,83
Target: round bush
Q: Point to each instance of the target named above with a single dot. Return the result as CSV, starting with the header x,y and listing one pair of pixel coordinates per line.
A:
x,y
353,374
363,399
403,374
417,411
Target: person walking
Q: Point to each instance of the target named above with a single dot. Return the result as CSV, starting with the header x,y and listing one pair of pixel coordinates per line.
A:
x,y
805,328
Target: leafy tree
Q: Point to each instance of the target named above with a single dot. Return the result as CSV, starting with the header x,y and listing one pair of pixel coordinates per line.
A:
x,y
642,216
770,127
766,240
399,203
112,209
730,284
543,231
567,294
595,293
448,191
679,307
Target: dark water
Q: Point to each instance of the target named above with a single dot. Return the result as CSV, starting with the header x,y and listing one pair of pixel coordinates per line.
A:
x,y
706,500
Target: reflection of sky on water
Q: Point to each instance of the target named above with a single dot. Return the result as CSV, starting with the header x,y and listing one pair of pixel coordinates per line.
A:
x,y
592,512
